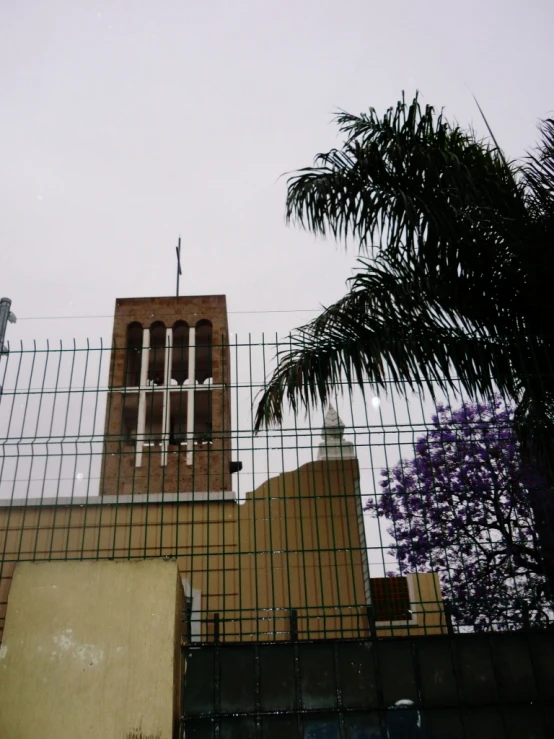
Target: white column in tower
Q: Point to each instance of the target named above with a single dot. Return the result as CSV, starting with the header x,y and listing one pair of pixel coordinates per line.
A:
x,y
141,420
191,395
166,414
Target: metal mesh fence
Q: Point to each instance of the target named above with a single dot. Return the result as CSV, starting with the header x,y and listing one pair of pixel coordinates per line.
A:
x,y
412,517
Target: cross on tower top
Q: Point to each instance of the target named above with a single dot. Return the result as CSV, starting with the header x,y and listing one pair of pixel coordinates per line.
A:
x,y
179,272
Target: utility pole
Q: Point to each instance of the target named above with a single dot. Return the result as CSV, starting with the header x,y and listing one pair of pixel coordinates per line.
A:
x,y
5,316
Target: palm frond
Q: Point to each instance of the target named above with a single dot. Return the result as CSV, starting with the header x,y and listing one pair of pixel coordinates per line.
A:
x,y
401,177
537,173
539,170
489,129
388,332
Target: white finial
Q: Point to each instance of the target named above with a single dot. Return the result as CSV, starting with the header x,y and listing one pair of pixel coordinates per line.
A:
x,y
332,425
334,446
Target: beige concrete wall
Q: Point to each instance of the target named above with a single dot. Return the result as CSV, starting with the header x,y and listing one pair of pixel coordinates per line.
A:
x,y
90,650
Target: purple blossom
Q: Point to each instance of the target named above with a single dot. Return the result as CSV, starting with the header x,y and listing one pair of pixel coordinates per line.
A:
x,y
461,507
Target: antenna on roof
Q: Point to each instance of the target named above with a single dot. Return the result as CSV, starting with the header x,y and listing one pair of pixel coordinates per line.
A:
x,y
179,273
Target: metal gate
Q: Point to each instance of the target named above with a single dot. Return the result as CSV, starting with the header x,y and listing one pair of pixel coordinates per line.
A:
x,y
493,686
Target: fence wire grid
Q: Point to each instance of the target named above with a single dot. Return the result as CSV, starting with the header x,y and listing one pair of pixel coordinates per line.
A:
x,y
407,516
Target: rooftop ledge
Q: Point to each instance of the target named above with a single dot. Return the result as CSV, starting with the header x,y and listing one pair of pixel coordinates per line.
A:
x,y
137,499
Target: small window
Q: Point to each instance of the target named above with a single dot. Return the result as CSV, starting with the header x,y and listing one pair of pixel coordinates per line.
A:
x,y
133,355
390,598
203,351
180,354
156,355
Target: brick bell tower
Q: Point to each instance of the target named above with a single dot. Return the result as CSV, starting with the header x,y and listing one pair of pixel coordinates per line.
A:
x,y
168,414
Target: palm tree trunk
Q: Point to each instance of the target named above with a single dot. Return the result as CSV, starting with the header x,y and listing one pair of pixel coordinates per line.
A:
x,y
542,504
541,497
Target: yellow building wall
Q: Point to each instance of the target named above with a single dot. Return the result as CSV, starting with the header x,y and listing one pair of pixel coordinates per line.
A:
x,y
293,545
304,525
91,649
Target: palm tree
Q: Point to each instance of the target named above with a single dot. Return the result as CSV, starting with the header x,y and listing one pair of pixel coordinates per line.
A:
x,y
455,286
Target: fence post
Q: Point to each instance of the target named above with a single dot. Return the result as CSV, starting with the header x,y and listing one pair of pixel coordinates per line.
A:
x,y
293,628
371,621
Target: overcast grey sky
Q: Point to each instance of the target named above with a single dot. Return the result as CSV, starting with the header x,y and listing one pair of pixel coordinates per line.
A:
x,y
126,123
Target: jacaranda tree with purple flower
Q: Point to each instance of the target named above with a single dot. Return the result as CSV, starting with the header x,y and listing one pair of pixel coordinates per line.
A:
x,y
461,507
